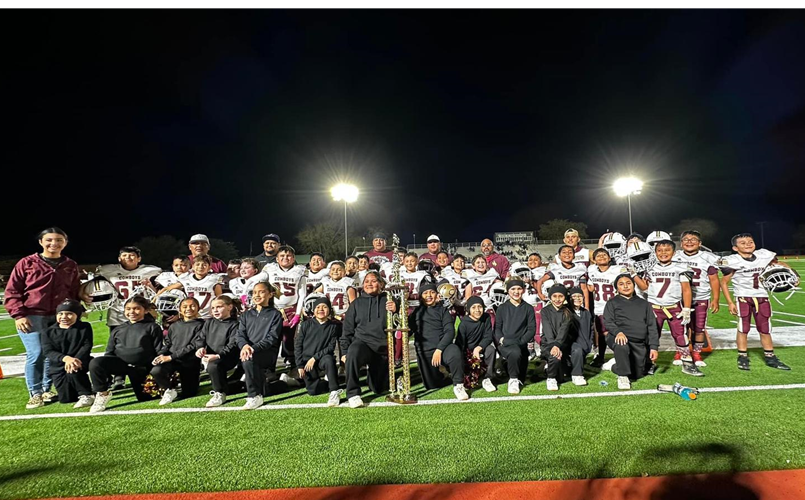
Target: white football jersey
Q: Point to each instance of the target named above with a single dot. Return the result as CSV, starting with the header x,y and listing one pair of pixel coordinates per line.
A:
x,y
168,278
292,286
203,290
386,269
312,279
412,281
665,283
746,273
241,289
703,264
603,283
480,284
336,291
581,257
125,282
575,276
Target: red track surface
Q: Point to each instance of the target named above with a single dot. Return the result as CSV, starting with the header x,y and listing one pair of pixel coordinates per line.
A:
x,y
769,485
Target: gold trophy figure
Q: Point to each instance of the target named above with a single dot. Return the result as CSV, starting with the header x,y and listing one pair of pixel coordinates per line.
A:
x,y
400,390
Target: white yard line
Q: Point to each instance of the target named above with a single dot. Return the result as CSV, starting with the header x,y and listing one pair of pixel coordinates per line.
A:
x,y
425,402
6,349
9,336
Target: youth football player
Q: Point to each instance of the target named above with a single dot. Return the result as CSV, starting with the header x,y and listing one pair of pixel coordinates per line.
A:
x,y
180,266
317,269
126,275
339,289
201,284
480,280
601,284
568,273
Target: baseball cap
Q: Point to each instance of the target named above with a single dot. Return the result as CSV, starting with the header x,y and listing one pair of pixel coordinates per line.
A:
x,y
432,238
271,237
199,238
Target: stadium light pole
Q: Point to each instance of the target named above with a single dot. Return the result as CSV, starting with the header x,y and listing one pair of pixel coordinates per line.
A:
x,y
348,194
628,186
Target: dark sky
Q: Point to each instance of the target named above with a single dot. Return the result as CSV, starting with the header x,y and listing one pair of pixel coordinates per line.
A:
x,y
124,124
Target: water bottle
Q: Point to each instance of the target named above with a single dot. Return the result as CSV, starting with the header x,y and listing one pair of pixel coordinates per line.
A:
x,y
684,392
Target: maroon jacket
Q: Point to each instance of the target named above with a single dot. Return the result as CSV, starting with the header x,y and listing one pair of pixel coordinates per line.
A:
x,y
218,266
499,263
36,289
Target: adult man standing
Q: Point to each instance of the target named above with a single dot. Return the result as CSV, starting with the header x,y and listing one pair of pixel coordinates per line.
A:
x,y
494,260
271,244
200,245
379,254
434,247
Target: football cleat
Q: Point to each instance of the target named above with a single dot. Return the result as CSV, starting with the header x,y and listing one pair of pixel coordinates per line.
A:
x,y
743,362
690,368
774,362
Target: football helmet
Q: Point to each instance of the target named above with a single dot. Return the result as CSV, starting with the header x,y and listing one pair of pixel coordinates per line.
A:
x,y
498,295
448,294
615,244
103,292
167,303
655,237
641,256
429,267
310,299
776,278
521,270
546,285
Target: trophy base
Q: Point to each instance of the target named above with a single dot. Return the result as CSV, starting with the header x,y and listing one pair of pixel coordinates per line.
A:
x,y
401,399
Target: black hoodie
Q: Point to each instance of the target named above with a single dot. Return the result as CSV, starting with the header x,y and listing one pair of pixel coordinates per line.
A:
x,y
75,342
472,334
559,327
515,324
136,343
219,336
180,341
365,320
260,329
314,339
432,327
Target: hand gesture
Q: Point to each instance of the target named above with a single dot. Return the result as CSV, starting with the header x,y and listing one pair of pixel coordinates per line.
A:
x,y
200,353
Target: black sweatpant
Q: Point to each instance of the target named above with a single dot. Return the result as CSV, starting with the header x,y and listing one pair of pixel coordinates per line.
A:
x,y
71,385
316,385
630,359
377,378
255,370
553,366
516,360
578,352
218,368
102,368
188,369
288,335
451,359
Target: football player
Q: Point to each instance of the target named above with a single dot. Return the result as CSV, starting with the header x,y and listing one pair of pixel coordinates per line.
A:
x,y
581,255
127,275
534,263
568,273
232,272
180,265
601,284
669,293
248,267
442,259
744,269
316,271
339,289
480,280
351,264
455,275
704,284
201,283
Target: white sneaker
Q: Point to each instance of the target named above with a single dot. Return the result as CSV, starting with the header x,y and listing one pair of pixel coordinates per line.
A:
x,y
579,380
334,399
488,385
460,392
217,399
100,402
608,365
356,402
552,384
514,386
623,383
253,403
169,397
84,401
292,382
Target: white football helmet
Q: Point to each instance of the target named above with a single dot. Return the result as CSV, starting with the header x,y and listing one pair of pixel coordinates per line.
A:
x,y
310,299
498,295
521,270
103,292
615,244
167,303
546,285
656,236
641,256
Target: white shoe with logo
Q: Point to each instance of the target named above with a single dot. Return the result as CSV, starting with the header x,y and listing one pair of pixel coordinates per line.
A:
x,y
217,399
488,385
100,402
552,384
514,386
84,401
460,392
334,399
253,403
169,397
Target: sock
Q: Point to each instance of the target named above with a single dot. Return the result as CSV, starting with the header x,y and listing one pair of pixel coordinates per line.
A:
x,y
698,346
768,354
684,351
742,353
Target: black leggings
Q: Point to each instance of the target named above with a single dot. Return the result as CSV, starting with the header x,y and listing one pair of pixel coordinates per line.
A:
x,y
102,368
71,385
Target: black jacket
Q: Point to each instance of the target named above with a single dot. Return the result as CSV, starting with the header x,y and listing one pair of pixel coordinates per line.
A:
x,y
75,342
432,327
136,343
472,334
559,327
260,330
634,317
181,339
515,324
314,340
365,320
586,328
219,336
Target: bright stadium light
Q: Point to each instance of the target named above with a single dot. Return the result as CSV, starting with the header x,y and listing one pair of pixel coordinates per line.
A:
x,y
627,186
348,194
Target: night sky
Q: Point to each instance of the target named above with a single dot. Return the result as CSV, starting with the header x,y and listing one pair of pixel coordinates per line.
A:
x,y
123,124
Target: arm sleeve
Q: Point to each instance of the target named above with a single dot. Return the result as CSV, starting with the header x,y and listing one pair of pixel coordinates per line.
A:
x,y
75,283
488,337
499,320
461,336
232,340
348,333
653,333
167,343
200,339
531,326
334,329
49,349
448,330
86,342
564,329
242,335
190,347
548,339
302,290
15,292
272,335
110,344
609,319
156,334
299,341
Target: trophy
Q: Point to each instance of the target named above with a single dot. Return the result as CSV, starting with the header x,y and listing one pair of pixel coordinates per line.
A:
x,y
396,289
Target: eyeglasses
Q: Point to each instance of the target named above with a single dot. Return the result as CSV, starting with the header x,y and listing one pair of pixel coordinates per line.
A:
x,y
690,240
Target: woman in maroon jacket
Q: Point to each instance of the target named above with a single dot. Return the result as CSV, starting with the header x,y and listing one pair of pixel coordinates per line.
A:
x,y
37,285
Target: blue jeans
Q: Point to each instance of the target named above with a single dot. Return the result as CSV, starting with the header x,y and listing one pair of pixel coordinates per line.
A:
x,y
36,364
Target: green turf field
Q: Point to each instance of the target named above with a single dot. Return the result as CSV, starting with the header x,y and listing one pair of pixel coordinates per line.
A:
x,y
501,441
